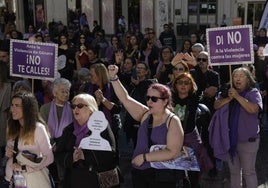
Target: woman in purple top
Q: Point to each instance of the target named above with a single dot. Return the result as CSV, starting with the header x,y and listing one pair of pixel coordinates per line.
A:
x,y
169,134
244,102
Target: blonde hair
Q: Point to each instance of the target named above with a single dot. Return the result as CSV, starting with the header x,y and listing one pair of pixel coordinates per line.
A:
x,y
89,101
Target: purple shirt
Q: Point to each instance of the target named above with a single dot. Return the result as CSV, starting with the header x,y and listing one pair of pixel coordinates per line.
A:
x,y
248,124
158,136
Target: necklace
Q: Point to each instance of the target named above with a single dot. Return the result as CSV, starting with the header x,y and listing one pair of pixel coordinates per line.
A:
x,y
60,105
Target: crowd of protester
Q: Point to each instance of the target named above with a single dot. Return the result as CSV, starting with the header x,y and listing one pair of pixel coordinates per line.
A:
x,y
146,65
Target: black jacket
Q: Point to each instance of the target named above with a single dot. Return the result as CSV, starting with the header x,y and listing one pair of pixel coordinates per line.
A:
x,y
83,172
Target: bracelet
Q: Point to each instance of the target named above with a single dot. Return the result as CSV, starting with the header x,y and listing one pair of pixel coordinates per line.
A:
x,y
114,79
144,157
103,100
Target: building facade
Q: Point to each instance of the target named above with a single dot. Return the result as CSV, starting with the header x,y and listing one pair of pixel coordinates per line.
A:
x,y
186,15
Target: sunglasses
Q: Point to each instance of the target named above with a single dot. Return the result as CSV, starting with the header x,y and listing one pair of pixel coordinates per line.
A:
x,y
73,106
179,69
82,37
153,98
202,59
183,82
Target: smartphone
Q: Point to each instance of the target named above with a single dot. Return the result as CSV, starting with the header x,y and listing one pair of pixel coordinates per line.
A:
x,y
134,73
29,155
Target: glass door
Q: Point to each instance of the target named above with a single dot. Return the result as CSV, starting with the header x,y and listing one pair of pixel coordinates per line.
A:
x,y
254,13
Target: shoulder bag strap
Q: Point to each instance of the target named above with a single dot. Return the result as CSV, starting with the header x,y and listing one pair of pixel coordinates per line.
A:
x,y
149,132
169,119
96,160
15,149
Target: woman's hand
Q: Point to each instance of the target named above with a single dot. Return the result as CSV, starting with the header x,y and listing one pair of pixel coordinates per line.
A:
x,y
232,93
135,81
138,160
178,57
17,167
112,70
9,152
99,95
78,154
190,59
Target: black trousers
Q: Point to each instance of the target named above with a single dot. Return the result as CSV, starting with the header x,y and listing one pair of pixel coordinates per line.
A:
x,y
147,179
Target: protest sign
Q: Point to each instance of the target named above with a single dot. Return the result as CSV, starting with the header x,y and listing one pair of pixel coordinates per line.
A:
x,y
230,45
33,60
97,123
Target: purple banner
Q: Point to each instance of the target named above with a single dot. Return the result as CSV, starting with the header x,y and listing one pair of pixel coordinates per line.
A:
x,y
33,60
230,45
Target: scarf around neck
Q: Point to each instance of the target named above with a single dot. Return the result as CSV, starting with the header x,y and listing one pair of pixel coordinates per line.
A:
x,y
233,125
55,126
80,131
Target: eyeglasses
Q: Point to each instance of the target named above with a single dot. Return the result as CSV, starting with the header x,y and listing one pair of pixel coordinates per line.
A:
x,y
179,69
183,82
73,106
202,59
153,98
140,68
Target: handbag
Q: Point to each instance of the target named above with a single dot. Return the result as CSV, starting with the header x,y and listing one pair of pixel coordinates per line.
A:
x,y
39,178
108,178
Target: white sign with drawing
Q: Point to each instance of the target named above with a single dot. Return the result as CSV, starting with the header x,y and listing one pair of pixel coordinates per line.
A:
x,y
97,123
186,161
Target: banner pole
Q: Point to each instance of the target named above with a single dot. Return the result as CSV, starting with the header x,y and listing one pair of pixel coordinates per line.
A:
x,y
230,75
33,86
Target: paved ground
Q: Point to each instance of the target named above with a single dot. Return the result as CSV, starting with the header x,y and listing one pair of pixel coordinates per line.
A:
x,y
219,181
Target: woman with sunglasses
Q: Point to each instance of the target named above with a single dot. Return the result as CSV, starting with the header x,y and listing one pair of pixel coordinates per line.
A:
x,y
186,106
166,130
66,50
139,82
28,130
82,164
170,70
81,55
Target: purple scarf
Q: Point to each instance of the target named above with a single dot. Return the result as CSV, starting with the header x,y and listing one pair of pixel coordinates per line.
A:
x,y
80,131
233,125
56,127
146,57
